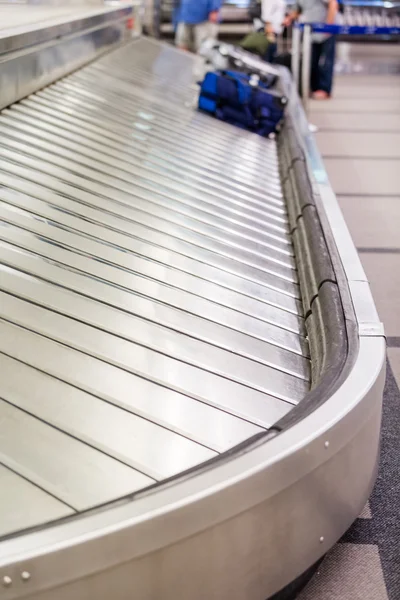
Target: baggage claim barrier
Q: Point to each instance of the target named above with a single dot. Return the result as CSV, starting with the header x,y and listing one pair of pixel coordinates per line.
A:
x,y
302,46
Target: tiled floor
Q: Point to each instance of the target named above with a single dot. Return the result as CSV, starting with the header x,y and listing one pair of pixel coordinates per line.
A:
x,y
380,216
359,137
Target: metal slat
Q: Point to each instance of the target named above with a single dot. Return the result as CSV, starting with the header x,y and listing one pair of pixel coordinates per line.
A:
x,y
210,225
59,215
68,229
117,385
236,169
184,358
127,109
91,144
144,330
233,230
202,143
133,294
127,106
135,237
245,249
86,143
68,126
137,442
275,223
148,93
115,427
71,471
24,505
283,329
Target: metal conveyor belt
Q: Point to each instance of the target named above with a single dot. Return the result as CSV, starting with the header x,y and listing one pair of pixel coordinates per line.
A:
x,y
150,310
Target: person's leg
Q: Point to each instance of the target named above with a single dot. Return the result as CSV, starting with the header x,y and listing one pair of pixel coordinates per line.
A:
x,y
271,52
315,58
327,65
204,31
183,36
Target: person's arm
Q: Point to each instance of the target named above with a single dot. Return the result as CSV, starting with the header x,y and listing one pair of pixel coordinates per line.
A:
x,y
215,7
292,16
333,8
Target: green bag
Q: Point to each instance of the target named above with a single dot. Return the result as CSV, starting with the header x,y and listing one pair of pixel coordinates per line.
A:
x,y
255,42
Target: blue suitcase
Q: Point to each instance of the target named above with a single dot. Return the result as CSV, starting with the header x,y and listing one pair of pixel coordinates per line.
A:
x,y
242,100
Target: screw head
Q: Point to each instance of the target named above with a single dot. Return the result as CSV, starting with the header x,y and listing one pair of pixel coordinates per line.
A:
x,y
326,444
321,539
25,575
7,581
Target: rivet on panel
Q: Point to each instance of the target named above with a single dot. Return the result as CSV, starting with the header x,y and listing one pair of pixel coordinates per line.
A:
x,y
25,575
7,581
321,539
326,444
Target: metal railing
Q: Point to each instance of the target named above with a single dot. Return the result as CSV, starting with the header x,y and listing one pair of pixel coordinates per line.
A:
x,y
302,47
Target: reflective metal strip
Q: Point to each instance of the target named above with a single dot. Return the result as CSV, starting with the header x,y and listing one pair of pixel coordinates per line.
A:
x,y
126,98
24,505
71,231
135,441
200,146
278,327
252,248
236,198
123,111
128,325
184,355
237,231
133,237
99,97
84,145
68,126
276,225
73,472
116,428
214,226
180,116
231,168
125,389
129,290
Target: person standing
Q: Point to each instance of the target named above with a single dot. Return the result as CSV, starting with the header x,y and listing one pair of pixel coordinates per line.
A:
x,y
196,21
323,47
273,16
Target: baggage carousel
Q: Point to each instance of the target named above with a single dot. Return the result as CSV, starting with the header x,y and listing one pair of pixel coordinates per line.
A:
x,y
191,363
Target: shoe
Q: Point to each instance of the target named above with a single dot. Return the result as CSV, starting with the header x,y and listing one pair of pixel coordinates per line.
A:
x,y
320,95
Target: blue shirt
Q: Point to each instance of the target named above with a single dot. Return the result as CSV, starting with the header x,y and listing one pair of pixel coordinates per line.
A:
x,y
194,12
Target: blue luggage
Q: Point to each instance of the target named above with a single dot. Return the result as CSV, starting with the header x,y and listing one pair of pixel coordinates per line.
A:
x,y
242,100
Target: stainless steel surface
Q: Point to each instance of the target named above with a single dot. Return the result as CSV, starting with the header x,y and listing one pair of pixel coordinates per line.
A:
x,y
25,504
232,511
151,314
39,44
76,474
98,364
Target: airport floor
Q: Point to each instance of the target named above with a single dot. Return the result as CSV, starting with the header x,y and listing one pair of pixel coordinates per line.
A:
x,y
359,138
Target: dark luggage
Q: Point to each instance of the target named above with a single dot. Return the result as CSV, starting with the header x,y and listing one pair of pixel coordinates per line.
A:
x,y
284,59
242,100
228,57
